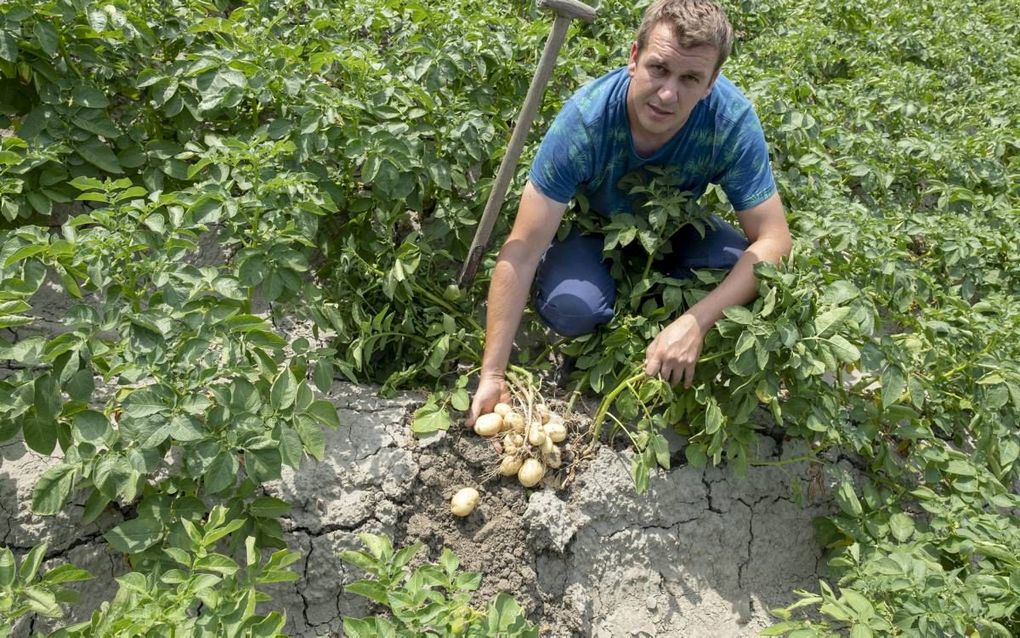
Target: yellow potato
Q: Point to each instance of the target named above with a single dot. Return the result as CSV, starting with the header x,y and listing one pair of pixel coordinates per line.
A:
x,y
464,501
488,424
510,465
552,457
556,431
502,409
513,421
535,434
531,472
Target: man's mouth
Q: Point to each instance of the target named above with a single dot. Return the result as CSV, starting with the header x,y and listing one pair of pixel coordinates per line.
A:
x,y
659,111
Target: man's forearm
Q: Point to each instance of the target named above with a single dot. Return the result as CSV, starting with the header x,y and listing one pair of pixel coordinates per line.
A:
x,y
508,293
740,286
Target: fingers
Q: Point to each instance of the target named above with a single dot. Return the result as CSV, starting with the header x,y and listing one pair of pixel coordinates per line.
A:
x,y
672,372
652,367
688,375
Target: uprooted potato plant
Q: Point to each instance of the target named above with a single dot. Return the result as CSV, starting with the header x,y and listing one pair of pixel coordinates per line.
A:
x,y
340,155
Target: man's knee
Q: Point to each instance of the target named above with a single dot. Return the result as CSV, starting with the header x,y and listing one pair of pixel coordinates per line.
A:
x,y
576,309
574,292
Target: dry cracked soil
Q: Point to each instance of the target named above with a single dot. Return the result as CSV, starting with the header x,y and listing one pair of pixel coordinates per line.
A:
x,y
701,553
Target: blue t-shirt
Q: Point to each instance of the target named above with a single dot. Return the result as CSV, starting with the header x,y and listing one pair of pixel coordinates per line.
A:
x,y
588,148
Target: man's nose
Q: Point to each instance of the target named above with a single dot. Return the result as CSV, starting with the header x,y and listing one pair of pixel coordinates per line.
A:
x,y
668,92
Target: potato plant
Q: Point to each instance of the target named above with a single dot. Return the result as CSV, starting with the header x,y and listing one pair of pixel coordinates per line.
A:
x,y
432,599
340,155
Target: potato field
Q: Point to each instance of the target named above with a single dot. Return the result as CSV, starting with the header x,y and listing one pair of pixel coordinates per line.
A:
x,y
235,363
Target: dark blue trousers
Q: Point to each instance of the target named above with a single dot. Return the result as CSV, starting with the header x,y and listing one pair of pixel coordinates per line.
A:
x,y
574,292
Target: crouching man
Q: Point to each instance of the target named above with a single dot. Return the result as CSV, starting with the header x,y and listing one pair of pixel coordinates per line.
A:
x,y
670,107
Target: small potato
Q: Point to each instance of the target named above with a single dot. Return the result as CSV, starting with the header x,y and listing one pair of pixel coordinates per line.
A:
x,y
554,418
531,472
535,434
552,458
517,440
464,501
513,421
542,412
556,431
547,445
510,465
502,409
488,424
509,450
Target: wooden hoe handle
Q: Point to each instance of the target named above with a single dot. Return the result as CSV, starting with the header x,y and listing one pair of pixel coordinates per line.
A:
x,y
566,10
569,9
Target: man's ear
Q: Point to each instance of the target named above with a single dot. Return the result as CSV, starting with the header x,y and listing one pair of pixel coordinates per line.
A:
x,y
632,62
711,83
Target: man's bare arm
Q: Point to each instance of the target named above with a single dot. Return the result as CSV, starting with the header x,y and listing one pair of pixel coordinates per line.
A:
x,y
675,351
538,217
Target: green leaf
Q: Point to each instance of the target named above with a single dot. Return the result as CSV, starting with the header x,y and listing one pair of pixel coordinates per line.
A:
x,y
81,385
53,489
858,603
148,401
222,472
99,155
30,564
269,507
430,417
25,252
66,574
136,535
89,97
312,437
696,455
844,350
460,400
186,428
506,616
47,37
8,47
713,418
901,526
263,465
8,570
284,390
847,500
323,375
639,472
861,631
91,426
739,315
40,434
894,382
830,320
324,412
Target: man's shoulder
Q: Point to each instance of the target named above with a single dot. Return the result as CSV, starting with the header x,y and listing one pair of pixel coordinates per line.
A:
x,y
727,102
602,99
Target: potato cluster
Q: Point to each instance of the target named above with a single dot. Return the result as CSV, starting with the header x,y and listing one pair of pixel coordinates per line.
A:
x,y
529,447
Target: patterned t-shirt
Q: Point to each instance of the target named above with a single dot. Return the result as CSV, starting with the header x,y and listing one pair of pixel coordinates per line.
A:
x,y
589,148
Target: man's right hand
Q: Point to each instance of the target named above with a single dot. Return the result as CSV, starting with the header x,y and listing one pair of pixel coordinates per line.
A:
x,y
491,390
538,217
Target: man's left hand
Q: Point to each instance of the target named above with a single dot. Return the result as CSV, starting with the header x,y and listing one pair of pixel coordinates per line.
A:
x,y
673,354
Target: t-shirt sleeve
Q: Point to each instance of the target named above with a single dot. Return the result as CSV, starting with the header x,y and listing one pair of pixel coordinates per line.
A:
x,y
746,174
564,158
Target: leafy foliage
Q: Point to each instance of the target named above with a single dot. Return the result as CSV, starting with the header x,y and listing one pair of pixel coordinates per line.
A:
x,y
432,599
339,156
23,590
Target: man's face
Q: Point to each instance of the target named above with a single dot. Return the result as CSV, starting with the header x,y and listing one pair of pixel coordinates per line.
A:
x,y
666,83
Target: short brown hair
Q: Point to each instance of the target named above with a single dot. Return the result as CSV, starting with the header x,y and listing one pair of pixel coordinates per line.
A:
x,y
693,23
